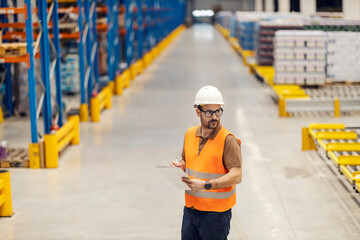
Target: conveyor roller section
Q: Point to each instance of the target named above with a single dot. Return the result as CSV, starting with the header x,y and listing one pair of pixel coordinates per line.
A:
x,y
347,134
344,157
334,145
340,144
352,174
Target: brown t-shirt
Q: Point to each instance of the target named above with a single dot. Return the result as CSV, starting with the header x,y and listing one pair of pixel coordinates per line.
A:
x,y
232,148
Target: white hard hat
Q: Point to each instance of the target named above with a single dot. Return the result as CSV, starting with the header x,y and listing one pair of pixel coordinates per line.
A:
x,y
208,95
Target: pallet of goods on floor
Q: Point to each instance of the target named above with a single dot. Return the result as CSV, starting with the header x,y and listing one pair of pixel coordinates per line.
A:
x,y
310,64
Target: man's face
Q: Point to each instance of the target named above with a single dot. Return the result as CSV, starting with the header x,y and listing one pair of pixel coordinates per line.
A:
x,y
209,122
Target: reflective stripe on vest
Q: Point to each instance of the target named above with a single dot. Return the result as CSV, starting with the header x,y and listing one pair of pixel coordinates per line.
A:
x,y
203,175
213,195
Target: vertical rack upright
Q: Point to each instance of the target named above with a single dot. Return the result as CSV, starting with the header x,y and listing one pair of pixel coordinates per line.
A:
x,y
140,29
130,33
90,33
88,47
147,26
113,39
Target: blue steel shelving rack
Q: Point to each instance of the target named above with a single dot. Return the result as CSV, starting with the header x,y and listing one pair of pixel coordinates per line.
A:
x,y
147,33
130,33
113,38
48,69
90,33
140,29
147,22
155,20
160,18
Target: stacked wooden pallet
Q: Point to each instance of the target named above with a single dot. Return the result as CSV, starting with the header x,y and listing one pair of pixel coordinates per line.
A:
x,y
12,49
16,157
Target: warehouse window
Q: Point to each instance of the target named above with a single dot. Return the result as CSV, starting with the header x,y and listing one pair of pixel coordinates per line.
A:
x,y
263,6
329,5
295,6
276,5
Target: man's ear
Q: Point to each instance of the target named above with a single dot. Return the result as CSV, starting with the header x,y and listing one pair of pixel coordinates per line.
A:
x,y
197,112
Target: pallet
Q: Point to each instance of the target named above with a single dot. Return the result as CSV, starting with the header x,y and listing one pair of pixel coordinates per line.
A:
x,y
13,49
347,83
16,157
72,27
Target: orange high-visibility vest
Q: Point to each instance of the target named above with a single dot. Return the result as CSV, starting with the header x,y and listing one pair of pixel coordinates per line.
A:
x,y
206,166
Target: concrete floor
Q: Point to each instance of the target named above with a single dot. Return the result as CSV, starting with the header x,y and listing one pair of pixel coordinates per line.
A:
x,y
108,188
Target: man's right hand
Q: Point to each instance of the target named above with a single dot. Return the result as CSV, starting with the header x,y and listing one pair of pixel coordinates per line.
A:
x,y
180,164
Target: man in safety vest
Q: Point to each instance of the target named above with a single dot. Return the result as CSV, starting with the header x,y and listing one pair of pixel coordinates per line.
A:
x,y
211,158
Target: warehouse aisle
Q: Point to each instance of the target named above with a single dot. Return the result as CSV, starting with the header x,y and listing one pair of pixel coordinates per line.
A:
x,y
108,187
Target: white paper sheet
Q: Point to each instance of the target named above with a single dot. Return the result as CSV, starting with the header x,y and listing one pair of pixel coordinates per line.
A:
x,y
174,175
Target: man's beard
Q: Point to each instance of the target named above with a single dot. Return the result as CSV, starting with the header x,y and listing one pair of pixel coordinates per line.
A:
x,y
212,121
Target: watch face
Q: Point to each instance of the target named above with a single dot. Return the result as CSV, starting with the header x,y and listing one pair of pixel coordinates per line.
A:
x,y
207,186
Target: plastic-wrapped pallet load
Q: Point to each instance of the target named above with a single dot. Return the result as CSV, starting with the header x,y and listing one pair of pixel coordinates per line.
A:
x,y
265,32
343,57
300,57
224,18
232,26
332,25
245,27
70,77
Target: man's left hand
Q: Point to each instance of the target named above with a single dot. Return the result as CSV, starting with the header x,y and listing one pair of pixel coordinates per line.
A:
x,y
194,184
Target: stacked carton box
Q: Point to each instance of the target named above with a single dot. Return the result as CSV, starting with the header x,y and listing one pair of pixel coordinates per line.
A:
x,y
300,57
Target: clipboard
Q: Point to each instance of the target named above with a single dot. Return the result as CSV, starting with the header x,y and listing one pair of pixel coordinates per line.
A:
x,y
174,175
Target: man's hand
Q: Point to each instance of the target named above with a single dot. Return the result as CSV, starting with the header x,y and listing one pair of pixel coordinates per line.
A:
x,y
194,184
178,164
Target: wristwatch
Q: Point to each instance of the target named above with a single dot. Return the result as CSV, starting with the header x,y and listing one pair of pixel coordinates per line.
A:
x,y
207,185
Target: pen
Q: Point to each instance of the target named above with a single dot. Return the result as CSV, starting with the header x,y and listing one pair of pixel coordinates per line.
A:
x,y
178,161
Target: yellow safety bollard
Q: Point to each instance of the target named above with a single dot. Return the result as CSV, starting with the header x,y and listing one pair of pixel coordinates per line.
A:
x,y
307,141
112,87
282,107
152,56
1,116
156,51
95,109
5,194
337,108
84,112
139,67
133,71
147,59
51,151
34,155
127,78
119,85
108,97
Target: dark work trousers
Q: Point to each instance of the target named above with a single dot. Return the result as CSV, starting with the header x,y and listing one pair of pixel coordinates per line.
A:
x,y
201,225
